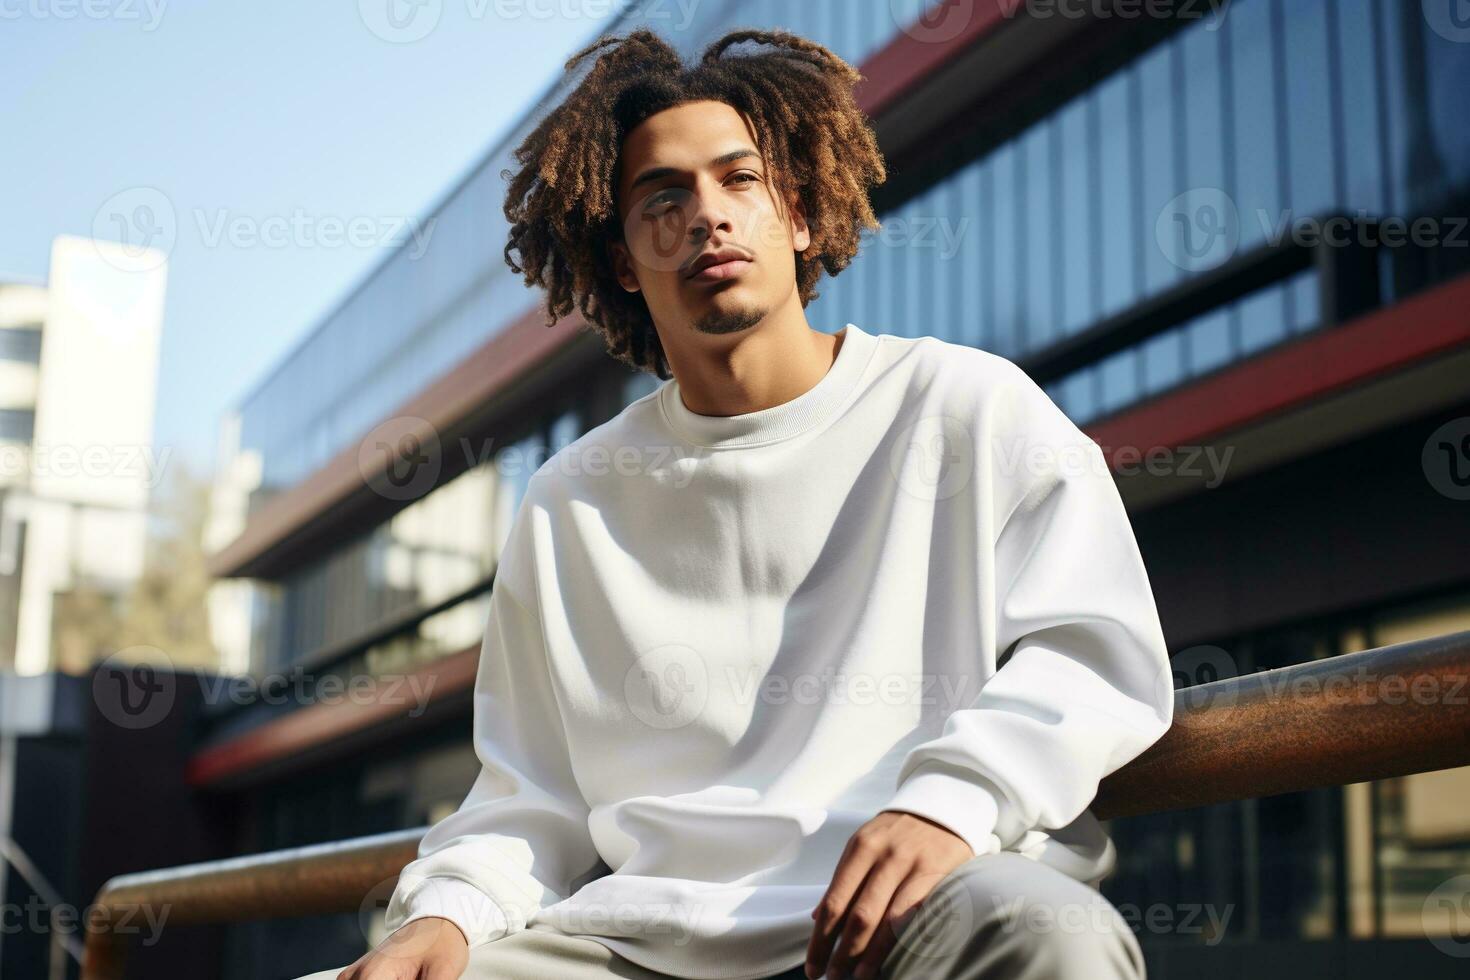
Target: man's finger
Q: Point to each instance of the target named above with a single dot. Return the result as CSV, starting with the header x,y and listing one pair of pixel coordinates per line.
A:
x,y
906,898
856,861
868,909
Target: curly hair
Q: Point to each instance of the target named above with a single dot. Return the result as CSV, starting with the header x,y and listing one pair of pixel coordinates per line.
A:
x,y
562,204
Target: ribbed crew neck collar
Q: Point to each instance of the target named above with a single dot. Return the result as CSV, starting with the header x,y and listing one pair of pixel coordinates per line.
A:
x,y
778,422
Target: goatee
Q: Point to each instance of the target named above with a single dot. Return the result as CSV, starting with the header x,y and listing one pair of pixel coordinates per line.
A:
x,y
727,321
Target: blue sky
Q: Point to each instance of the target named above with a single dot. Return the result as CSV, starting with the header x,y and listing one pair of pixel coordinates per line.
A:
x,y
276,113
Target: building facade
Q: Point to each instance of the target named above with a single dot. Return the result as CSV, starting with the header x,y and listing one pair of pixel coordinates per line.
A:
x,y
78,368
1228,239
78,376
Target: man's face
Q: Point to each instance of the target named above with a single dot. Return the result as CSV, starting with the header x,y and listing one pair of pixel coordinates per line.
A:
x,y
691,181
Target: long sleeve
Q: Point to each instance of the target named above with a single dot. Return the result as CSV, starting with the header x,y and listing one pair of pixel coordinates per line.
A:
x,y
1087,686
520,838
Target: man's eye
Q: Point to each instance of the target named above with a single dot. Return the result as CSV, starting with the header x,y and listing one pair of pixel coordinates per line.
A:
x,y
671,196
662,199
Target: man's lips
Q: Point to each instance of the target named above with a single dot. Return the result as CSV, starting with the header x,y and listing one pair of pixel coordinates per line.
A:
x,y
720,270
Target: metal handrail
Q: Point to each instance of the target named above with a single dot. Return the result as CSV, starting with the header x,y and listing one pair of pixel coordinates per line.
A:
x,y
62,944
1393,711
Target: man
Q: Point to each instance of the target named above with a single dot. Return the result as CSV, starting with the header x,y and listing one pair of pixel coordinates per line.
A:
x,y
808,662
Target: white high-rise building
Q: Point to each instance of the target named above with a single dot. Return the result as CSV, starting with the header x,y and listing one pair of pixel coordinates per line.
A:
x,y
78,375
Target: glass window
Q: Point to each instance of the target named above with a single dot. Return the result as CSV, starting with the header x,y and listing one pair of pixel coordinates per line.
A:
x,y
969,267
990,283
1118,218
1208,342
1119,376
1038,227
440,545
1163,361
1305,301
1256,160
1423,835
20,344
1357,105
17,424
1077,254
1262,319
1175,356
1397,105
1206,96
942,286
1005,234
1447,79
1308,105
1077,399
1158,73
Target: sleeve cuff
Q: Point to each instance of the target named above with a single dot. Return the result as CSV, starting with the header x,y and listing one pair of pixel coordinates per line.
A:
x,y
475,913
964,808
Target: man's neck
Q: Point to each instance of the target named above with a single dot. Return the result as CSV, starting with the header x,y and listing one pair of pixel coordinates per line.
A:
x,y
773,362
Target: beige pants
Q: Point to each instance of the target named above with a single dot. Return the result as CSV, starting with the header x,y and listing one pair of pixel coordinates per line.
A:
x,y
995,917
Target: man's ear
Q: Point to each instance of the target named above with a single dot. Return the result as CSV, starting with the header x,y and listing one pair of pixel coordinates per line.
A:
x,y
622,264
801,235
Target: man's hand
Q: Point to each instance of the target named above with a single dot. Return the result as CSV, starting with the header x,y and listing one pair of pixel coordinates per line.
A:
x,y
430,948
891,863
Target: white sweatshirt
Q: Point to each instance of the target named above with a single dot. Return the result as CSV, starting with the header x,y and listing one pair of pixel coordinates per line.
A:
x,y
717,646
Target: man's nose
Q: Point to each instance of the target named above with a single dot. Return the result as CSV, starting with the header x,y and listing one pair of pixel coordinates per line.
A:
x,y
710,213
